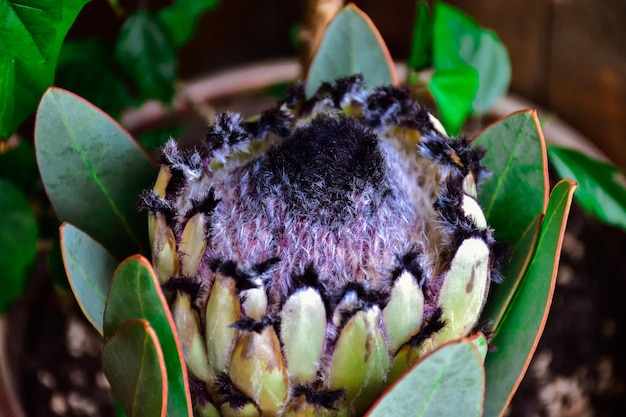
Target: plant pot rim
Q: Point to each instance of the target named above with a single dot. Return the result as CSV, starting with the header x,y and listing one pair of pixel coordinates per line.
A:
x,y
10,405
257,75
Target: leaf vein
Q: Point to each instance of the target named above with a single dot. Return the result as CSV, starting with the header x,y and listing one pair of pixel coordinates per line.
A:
x,y
505,171
140,373
433,388
14,6
96,178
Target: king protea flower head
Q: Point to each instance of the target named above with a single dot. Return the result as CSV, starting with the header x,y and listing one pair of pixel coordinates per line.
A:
x,y
315,252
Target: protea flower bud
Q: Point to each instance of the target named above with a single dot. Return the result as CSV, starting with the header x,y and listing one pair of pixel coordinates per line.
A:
x,y
317,251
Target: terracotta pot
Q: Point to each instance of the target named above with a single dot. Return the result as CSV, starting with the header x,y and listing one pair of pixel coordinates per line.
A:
x,y
10,405
260,75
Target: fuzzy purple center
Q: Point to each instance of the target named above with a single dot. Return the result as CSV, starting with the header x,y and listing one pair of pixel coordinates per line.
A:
x,y
328,196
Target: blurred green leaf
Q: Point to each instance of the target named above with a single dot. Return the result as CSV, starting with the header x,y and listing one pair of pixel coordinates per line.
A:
x,y
420,55
136,294
155,139
115,6
448,382
14,107
453,90
516,336
89,267
458,40
295,40
181,18
517,189
278,90
146,53
32,33
351,45
601,187
18,239
118,409
133,362
93,171
87,67
20,166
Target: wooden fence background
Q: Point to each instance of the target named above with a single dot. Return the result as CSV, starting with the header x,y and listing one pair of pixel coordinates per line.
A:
x,y
568,56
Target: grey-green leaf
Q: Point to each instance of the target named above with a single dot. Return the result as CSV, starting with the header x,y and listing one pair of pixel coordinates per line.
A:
x,y
448,382
351,45
480,343
93,171
89,267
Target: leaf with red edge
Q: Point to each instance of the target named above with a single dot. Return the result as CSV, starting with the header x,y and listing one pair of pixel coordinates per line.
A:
x,y
513,196
500,295
135,293
93,171
89,268
516,190
480,343
516,337
448,382
133,362
351,45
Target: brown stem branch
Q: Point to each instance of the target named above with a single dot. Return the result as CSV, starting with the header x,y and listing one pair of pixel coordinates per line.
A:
x,y
319,13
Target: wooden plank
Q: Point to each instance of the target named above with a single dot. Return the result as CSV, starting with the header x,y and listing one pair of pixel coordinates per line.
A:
x,y
587,75
523,26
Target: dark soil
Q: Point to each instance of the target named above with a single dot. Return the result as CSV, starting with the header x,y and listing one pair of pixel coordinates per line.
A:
x,y
57,356
579,368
